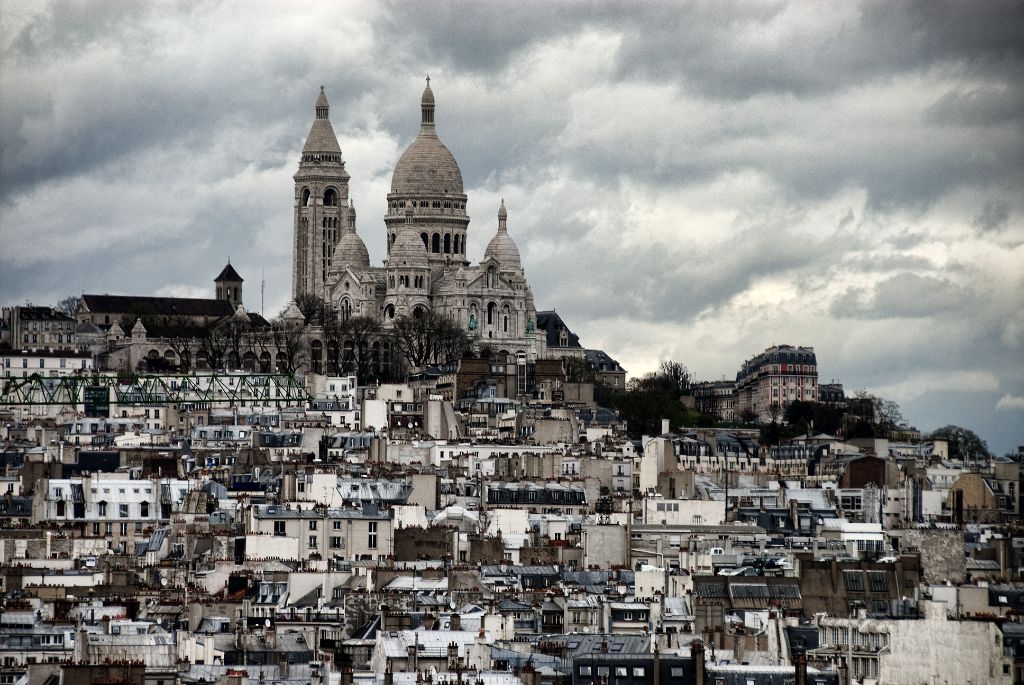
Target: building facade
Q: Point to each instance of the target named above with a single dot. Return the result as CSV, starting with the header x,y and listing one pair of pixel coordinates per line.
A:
x,y
770,381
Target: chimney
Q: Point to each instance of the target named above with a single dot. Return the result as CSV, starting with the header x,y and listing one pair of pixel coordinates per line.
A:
x,y
237,677
697,653
453,655
456,621
794,516
346,675
412,652
800,662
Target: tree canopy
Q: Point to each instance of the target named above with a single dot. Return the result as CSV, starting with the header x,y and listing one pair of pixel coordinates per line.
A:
x,y
964,444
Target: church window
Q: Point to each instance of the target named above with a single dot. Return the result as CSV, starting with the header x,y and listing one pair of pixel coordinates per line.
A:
x,y
437,204
331,198
490,279
456,250
305,197
447,243
491,307
447,204
426,240
315,355
435,243
392,238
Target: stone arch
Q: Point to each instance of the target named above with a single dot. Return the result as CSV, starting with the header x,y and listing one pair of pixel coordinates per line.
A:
x,y
435,243
249,361
331,197
265,362
447,243
492,310
455,247
305,197
426,240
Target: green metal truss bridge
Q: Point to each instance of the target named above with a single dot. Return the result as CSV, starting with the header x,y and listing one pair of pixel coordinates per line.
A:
x,y
149,389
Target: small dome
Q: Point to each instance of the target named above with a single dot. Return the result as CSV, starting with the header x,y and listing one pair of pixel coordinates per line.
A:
x,y
408,249
502,247
351,251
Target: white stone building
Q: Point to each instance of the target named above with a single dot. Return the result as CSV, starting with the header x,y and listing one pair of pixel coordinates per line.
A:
x,y
426,230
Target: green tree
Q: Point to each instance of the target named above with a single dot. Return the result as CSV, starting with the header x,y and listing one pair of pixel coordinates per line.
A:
x,y
964,444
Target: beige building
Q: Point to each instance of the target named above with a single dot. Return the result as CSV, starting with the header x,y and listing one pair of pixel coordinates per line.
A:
x,y
426,232
778,376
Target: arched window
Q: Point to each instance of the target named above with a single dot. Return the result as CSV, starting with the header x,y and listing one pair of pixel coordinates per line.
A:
x,y
426,241
144,509
332,357
435,243
447,243
233,361
316,352
305,197
346,309
249,361
330,198
392,238
491,308
389,311
491,281
265,362
456,250
418,312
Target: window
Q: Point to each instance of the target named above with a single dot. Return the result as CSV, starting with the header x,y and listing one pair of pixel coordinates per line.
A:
x,y
279,528
336,542
372,538
312,542
336,525
144,509
122,511
312,525
621,671
854,581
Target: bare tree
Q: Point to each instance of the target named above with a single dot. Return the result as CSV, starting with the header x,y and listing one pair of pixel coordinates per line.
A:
x,y
359,333
68,306
577,370
290,345
316,310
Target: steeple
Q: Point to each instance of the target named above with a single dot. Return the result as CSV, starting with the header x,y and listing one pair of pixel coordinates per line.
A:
x,y
502,217
427,107
321,202
322,108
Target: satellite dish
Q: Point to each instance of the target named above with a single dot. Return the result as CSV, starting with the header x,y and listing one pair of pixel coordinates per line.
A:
x,y
163,582
266,622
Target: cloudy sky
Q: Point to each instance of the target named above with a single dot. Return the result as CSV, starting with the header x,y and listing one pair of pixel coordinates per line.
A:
x,y
686,181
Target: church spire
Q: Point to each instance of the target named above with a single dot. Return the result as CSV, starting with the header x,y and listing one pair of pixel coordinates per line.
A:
x,y
322,107
427,106
502,217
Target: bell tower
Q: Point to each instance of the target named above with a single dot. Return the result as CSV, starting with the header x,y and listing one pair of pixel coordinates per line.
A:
x,y
321,199
229,286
